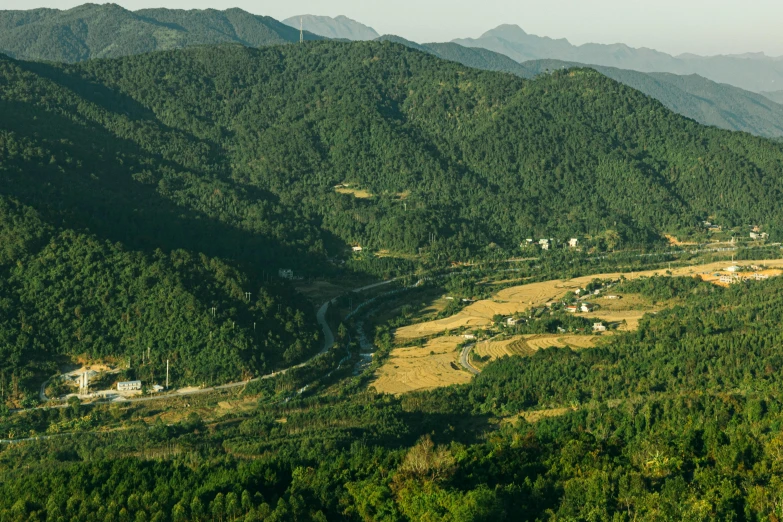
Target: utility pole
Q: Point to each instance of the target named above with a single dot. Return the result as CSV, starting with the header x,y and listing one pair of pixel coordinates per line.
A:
x,y
167,374
301,30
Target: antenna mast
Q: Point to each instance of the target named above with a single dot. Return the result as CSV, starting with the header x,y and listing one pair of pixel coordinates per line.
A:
x,y
301,30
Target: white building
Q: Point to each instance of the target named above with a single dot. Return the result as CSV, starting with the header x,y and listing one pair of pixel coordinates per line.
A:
x,y
573,242
357,248
469,337
733,268
599,327
285,273
586,307
129,386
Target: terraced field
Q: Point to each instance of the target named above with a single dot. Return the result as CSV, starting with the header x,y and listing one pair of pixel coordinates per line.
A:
x,y
526,345
421,368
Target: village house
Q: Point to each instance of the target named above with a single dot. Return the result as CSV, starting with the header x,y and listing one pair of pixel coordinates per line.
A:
x,y
129,386
571,309
573,242
599,327
586,307
285,273
357,248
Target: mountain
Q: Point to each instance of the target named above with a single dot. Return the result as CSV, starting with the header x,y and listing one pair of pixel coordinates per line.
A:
x,y
707,102
775,96
108,30
286,125
753,72
140,192
340,27
477,58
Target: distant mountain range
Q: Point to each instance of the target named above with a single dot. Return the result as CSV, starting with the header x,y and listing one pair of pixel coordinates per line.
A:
x,y
340,27
753,71
698,98
104,31
107,31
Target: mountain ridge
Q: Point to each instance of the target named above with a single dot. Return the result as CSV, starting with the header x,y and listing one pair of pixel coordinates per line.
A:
x,y
755,74
338,27
109,31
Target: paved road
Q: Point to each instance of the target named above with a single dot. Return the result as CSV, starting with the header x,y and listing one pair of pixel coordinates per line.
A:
x,y
465,361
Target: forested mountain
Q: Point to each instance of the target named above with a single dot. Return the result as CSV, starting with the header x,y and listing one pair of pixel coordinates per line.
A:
x,y
693,96
97,31
197,172
707,102
108,30
98,257
340,27
473,157
755,73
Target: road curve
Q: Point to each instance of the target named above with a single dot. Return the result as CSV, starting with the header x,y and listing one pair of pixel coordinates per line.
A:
x,y
464,359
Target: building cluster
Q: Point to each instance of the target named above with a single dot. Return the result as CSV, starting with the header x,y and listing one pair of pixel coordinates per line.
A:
x,y
547,243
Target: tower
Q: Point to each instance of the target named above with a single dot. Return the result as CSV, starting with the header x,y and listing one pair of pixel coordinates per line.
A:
x,y
301,30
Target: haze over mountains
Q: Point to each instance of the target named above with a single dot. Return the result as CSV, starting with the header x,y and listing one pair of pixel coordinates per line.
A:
x,y
753,72
340,27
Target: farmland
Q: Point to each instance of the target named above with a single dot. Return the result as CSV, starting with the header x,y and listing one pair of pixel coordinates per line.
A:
x,y
421,368
525,297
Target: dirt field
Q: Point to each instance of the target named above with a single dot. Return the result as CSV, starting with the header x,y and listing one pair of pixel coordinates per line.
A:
x,y
357,193
425,368
522,298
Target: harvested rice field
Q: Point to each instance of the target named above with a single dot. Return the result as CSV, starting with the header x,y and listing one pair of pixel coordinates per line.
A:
x,y
434,365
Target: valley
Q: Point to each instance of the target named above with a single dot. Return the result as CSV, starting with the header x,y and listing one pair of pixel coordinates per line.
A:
x,y
252,273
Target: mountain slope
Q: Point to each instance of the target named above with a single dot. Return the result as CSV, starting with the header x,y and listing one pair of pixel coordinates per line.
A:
x,y
695,97
446,136
108,30
775,96
100,259
705,101
754,73
141,192
340,27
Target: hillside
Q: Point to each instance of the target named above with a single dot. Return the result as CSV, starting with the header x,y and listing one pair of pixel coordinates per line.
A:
x,y
705,101
197,173
100,260
340,27
756,73
108,31
447,138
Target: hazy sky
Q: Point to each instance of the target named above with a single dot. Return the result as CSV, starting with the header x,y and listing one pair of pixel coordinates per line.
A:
x,y
673,26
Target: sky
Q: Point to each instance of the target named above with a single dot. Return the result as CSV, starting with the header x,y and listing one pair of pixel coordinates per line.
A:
x,y
704,27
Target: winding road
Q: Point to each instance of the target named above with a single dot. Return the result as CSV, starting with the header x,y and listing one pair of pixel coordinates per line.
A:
x,y
464,359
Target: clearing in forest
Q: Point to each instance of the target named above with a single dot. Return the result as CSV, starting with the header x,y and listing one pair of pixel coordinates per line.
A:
x,y
416,368
524,297
357,193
